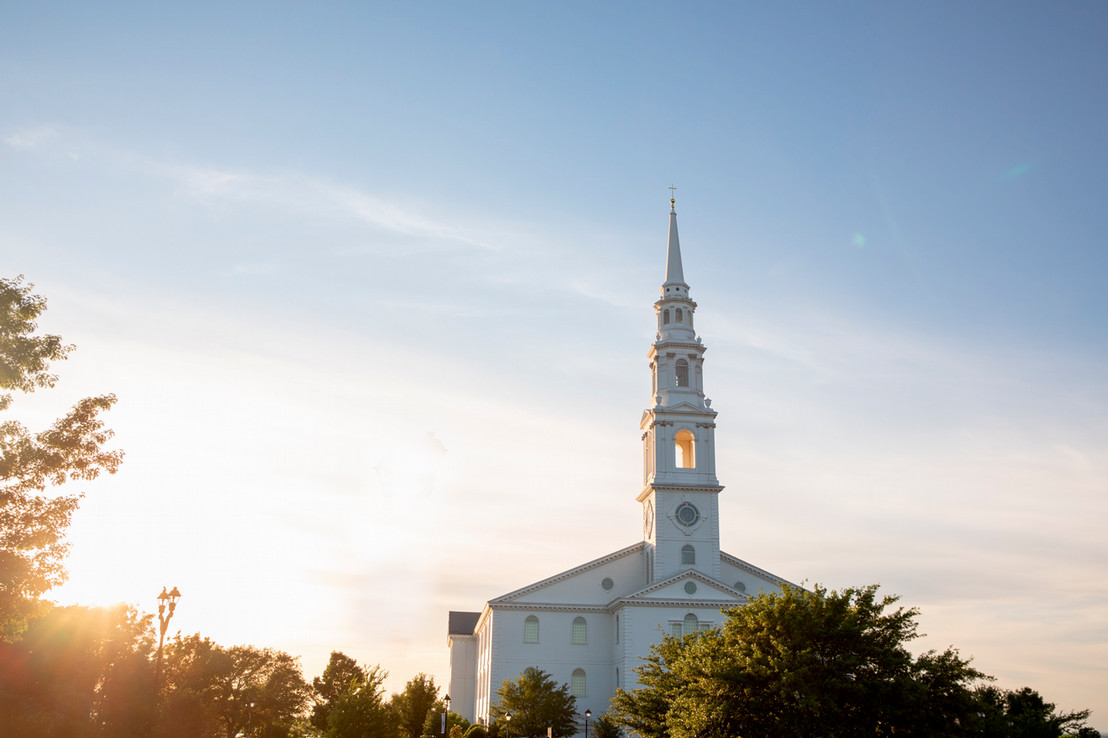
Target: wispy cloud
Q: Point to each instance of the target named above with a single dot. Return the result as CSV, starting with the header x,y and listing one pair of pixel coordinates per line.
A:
x,y
30,139
284,191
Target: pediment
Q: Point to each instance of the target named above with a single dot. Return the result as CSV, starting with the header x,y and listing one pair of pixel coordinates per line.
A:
x,y
594,583
732,567
674,589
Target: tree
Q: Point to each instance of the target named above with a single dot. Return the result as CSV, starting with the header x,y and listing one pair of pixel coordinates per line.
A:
x,y
360,712
32,523
1022,713
79,671
212,690
476,731
350,700
340,672
536,702
605,727
432,725
412,707
801,663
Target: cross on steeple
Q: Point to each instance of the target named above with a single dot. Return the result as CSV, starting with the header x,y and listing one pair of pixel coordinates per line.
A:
x,y
672,202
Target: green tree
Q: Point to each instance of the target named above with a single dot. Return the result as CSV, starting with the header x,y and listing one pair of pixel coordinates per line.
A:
x,y
360,712
476,731
536,702
605,727
212,690
340,672
432,725
1022,713
801,663
32,523
415,705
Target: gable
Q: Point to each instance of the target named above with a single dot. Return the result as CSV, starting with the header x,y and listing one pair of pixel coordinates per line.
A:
x,y
690,588
745,577
595,583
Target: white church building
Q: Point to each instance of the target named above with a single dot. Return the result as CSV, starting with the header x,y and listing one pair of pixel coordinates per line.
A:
x,y
589,627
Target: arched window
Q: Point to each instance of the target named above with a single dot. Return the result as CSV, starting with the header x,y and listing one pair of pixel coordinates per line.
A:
x,y
691,623
665,317
688,554
531,629
617,628
686,449
680,315
577,683
682,373
580,631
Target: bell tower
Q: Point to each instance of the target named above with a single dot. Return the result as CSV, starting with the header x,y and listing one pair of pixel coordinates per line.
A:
x,y
680,495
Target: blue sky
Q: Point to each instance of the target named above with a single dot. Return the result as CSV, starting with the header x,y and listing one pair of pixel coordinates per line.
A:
x,y
374,286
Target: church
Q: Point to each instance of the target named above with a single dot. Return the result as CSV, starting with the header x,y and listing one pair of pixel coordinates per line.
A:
x,y
590,626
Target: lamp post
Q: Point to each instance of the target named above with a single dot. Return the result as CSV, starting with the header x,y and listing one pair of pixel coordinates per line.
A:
x,y
250,730
167,605
446,699
588,714
507,725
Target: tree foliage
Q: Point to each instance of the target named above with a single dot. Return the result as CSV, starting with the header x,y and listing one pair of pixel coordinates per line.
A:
x,y
33,524
349,700
801,663
79,671
340,672
536,702
211,690
605,727
418,703
360,712
1023,713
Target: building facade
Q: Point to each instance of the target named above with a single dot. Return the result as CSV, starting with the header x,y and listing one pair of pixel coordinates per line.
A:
x,y
589,627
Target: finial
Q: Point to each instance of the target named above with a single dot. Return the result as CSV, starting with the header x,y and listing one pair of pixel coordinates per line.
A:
x,y
672,202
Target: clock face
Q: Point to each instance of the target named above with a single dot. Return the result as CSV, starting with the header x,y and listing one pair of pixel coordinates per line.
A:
x,y
647,519
687,514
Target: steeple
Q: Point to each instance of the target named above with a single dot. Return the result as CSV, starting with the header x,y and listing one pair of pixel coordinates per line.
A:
x,y
680,489
674,273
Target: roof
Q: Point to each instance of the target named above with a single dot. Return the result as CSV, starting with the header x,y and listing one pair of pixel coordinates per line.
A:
x,y
462,623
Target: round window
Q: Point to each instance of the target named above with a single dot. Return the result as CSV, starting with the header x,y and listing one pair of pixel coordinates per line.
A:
x,y
607,583
690,587
687,514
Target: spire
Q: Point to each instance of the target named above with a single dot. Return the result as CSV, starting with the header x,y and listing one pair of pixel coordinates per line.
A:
x,y
674,273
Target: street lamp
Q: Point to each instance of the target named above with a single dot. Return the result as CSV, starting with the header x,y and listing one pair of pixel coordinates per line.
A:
x,y
588,714
167,604
507,725
446,698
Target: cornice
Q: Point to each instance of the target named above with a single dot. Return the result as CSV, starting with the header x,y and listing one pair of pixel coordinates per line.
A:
x,y
547,607
694,488
620,604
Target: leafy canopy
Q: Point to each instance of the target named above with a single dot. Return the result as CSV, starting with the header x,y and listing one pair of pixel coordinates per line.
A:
x,y
801,663
33,524
536,702
413,707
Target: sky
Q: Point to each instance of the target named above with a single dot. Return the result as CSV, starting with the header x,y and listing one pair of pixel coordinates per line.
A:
x,y
373,284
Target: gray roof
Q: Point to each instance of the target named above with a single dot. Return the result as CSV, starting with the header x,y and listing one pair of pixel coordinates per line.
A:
x,y
462,623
